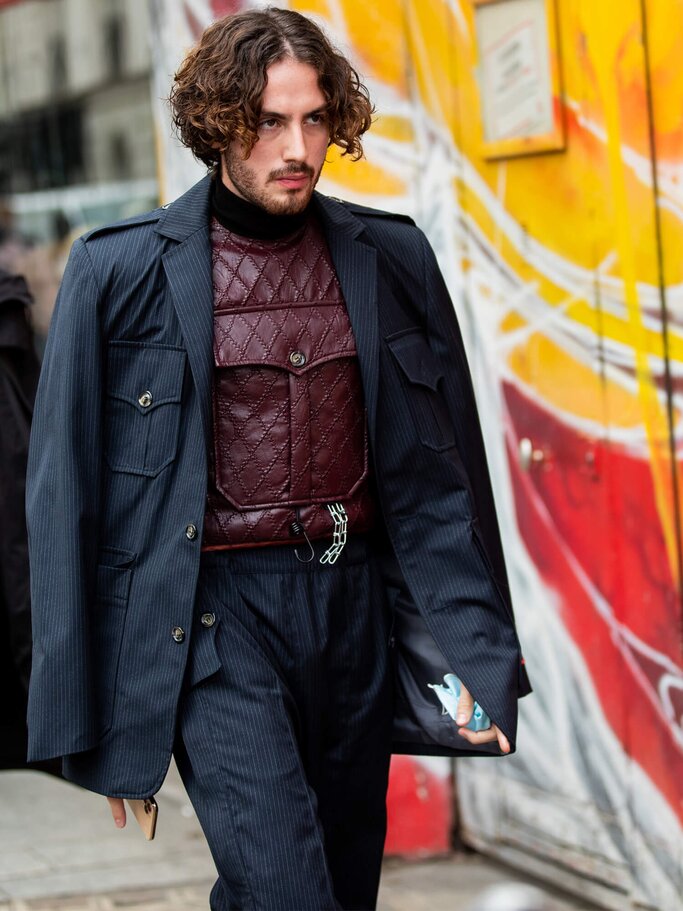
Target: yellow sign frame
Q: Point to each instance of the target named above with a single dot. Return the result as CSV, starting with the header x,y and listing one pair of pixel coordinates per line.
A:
x,y
551,140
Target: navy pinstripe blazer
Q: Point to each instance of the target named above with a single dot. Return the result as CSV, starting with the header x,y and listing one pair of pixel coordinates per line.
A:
x,y
114,484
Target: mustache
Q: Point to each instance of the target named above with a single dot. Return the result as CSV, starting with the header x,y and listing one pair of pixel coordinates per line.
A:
x,y
297,169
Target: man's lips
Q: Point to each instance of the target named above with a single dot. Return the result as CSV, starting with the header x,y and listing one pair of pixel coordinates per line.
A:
x,y
293,181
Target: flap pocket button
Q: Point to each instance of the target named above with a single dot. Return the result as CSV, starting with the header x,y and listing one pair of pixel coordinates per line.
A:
x,y
145,399
297,358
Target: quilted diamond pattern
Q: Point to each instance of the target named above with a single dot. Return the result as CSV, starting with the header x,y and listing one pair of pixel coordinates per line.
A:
x,y
290,430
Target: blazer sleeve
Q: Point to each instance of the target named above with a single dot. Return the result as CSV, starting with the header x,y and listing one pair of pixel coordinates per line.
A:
x,y
447,343
63,496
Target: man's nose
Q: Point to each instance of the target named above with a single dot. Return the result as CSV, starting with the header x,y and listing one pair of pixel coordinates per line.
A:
x,y
295,145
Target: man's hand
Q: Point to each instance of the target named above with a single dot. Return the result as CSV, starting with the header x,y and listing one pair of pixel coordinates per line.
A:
x,y
463,715
118,811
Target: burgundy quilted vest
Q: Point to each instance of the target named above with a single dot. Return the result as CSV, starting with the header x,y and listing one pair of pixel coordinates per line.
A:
x,y
289,419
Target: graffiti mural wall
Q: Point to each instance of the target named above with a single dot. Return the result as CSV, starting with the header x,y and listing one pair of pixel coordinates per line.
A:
x,y
565,270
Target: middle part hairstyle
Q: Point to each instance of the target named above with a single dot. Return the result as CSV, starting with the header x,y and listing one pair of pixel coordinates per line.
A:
x,y
216,94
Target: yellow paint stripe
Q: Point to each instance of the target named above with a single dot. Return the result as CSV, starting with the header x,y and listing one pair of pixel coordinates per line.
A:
x,y
654,416
612,326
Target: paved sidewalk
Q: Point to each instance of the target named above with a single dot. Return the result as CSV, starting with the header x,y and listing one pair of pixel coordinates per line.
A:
x,y
59,851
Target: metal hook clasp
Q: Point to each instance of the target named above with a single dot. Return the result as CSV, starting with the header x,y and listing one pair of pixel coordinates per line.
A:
x,y
297,529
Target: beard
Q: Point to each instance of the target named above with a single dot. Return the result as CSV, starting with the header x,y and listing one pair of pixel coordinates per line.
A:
x,y
269,196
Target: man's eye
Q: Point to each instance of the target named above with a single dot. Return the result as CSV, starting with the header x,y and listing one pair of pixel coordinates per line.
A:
x,y
316,118
269,124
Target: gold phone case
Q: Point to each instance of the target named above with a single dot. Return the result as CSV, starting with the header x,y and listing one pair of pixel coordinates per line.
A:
x,y
146,812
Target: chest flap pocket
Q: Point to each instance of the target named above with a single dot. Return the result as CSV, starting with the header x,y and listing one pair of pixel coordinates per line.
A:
x,y
424,377
144,392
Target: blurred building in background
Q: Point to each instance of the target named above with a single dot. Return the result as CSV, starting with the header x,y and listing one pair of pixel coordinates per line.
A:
x,y
77,144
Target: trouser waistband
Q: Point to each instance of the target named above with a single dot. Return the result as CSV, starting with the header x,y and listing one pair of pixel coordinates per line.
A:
x,y
283,557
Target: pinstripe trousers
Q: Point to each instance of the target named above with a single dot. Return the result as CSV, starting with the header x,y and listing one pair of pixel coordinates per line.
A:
x,y
284,727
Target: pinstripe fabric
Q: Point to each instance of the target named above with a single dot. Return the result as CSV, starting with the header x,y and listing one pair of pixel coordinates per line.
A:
x,y
357,263
284,730
108,676
188,268
430,461
114,482
68,714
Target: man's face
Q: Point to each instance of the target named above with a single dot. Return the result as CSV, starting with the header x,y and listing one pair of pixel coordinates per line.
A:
x,y
283,168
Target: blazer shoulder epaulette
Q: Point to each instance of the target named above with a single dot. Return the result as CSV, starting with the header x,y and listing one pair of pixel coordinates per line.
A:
x,y
145,218
368,212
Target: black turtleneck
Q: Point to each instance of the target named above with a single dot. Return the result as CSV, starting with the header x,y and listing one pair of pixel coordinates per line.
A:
x,y
249,220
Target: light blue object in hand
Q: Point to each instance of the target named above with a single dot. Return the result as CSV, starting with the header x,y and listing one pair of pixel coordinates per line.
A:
x,y
448,697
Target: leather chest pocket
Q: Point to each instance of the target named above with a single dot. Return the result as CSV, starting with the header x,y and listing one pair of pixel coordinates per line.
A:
x,y
144,390
424,379
289,416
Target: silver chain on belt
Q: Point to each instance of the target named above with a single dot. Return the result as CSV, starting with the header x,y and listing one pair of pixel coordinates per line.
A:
x,y
341,521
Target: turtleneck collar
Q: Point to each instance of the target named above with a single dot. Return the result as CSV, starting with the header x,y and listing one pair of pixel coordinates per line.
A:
x,y
249,220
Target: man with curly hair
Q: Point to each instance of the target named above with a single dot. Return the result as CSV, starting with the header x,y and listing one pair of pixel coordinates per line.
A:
x,y
262,529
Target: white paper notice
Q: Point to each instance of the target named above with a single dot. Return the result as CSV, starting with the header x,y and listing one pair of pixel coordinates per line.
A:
x,y
515,69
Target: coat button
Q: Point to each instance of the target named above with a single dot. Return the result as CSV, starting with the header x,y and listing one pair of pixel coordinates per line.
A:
x,y
297,358
145,399
178,634
208,619
191,532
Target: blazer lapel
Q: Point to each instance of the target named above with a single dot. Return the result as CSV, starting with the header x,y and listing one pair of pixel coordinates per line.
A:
x,y
188,270
356,266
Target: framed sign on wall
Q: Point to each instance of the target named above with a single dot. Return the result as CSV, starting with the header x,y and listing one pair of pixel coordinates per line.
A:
x,y
519,77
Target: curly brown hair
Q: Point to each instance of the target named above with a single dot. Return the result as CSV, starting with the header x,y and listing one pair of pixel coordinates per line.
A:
x,y
216,95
